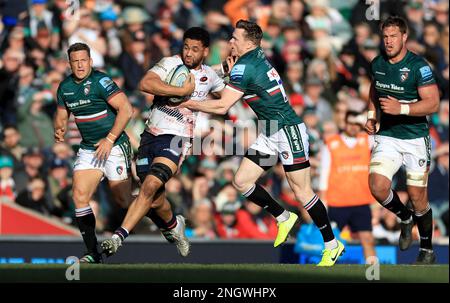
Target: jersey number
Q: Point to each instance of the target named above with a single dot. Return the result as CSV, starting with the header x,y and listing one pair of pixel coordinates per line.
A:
x,y
274,76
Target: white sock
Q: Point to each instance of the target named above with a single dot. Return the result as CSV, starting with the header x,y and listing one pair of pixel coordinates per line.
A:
x,y
331,244
283,217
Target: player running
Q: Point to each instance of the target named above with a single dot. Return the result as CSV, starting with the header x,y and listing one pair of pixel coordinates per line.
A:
x,y
403,93
167,138
255,80
101,113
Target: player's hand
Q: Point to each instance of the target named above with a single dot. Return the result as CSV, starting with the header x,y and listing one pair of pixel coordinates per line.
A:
x,y
231,60
189,85
103,149
390,105
371,126
59,135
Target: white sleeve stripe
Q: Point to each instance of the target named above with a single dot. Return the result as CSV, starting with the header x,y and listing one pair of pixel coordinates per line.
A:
x,y
236,90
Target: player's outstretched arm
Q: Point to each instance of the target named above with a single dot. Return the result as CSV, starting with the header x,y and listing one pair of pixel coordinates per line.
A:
x,y
60,123
152,84
218,106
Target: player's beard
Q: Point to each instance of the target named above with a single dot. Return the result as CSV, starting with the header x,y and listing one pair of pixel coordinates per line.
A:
x,y
194,63
393,55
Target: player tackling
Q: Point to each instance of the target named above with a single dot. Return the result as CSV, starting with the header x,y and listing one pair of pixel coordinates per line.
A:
x,y
255,80
167,138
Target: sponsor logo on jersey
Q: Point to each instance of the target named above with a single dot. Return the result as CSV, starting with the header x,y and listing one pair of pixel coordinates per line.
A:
x,y
87,82
119,169
426,73
105,82
391,86
203,79
237,72
87,88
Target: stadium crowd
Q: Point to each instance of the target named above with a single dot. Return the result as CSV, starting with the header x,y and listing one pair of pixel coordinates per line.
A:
x,y
322,49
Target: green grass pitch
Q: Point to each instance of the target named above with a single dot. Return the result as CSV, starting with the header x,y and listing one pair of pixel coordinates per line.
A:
x,y
225,273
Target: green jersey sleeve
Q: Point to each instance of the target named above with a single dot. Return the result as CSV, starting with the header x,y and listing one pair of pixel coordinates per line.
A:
x,y
241,76
424,75
107,87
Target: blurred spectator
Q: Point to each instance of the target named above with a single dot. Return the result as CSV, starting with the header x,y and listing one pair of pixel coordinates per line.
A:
x,y
297,103
134,61
256,223
184,13
33,197
34,167
439,185
313,98
10,145
26,87
294,75
218,26
346,157
7,184
252,10
88,31
34,124
415,16
433,50
202,221
41,19
9,78
226,221
440,120
108,19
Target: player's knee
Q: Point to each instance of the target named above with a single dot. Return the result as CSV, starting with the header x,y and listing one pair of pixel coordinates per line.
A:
x,y
149,188
80,198
379,188
241,184
417,196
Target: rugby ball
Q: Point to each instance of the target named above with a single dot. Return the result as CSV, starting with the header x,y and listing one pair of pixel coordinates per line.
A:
x,y
176,77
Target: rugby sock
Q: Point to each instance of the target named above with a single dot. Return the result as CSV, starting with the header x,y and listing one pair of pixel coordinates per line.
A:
x,y
424,221
258,195
396,206
162,225
86,223
122,233
319,215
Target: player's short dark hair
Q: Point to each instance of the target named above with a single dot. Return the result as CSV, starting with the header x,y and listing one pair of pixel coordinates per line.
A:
x,y
197,33
395,21
252,31
78,47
